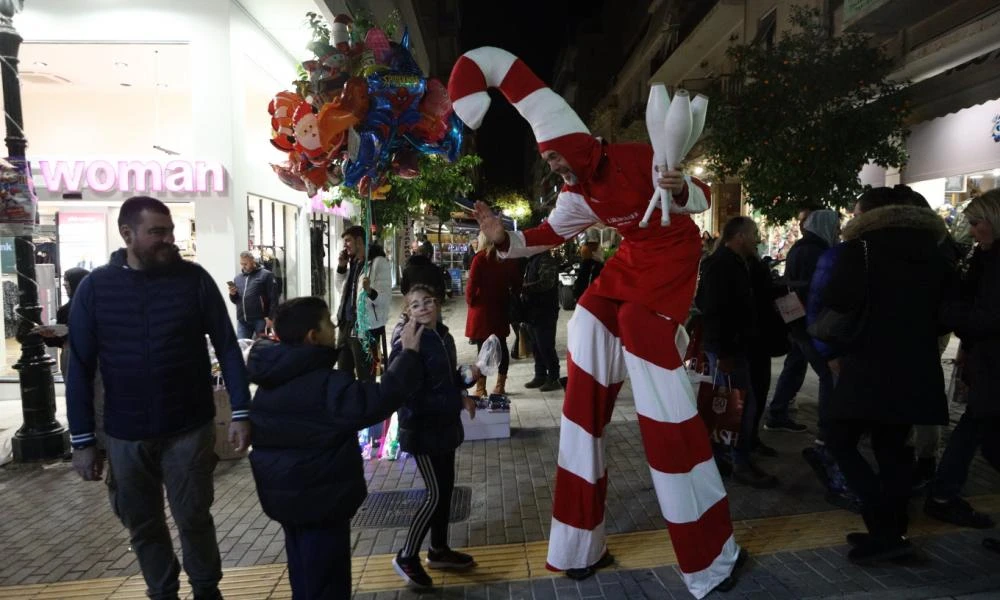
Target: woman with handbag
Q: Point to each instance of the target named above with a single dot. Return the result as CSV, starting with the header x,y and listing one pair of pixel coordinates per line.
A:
x,y
492,281
975,318
882,309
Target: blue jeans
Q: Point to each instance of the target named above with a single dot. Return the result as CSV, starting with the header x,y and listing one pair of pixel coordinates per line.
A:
x,y
739,378
801,355
246,330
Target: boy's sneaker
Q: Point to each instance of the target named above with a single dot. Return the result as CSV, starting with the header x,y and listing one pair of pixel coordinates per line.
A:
x,y
412,572
449,559
785,425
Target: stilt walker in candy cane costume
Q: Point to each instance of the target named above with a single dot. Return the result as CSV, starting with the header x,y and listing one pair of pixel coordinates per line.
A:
x,y
630,319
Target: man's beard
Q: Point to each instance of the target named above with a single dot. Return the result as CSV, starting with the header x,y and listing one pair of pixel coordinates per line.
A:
x,y
159,257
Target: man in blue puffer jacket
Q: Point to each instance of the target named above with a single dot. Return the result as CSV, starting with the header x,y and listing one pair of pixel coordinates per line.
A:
x,y
144,317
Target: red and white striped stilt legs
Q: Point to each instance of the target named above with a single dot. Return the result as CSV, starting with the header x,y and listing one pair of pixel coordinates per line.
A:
x,y
606,338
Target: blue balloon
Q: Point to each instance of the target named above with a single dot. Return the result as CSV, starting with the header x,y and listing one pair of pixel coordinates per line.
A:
x,y
365,163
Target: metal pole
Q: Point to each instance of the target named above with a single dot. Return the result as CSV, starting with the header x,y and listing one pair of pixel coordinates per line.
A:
x,y
41,437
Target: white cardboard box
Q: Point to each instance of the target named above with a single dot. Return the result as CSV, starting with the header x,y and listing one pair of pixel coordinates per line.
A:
x,y
486,425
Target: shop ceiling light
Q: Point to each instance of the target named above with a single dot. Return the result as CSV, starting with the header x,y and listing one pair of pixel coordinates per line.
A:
x,y
121,65
39,63
123,84
996,172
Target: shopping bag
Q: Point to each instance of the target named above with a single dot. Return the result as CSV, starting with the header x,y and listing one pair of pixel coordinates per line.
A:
x,y
721,407
790,307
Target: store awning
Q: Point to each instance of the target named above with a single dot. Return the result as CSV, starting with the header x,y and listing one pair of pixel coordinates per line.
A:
x,y
968,84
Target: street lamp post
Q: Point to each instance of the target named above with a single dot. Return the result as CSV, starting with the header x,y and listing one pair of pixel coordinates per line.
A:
x,y
42,436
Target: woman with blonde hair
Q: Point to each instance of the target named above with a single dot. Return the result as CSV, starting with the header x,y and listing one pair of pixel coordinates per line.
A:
x,y
975,318
492,281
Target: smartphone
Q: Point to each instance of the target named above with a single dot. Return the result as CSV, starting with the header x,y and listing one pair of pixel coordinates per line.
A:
x,y
231,283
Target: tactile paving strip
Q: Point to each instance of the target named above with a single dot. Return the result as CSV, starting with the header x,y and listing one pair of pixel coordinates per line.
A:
x,y
508,562
397,508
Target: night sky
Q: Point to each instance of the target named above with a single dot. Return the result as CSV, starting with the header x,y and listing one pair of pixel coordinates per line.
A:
x,y
534,31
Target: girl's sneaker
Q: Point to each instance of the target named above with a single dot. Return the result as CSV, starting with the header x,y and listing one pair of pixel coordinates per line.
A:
x,y
412,572
448,559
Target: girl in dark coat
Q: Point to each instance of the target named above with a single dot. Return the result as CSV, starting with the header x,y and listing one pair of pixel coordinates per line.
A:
x,y
891,378
491,283
430,428
975,318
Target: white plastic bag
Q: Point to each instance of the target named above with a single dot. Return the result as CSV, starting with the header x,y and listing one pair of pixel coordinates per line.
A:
x,y
489,357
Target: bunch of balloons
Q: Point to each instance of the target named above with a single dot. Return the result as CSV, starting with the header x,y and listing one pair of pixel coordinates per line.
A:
x,y
365,111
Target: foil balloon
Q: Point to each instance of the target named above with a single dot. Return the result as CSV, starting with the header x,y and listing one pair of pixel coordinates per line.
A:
x,y
378,43
288,177
354,98
281,108
306,127
369,148
434,110
406,163
333,123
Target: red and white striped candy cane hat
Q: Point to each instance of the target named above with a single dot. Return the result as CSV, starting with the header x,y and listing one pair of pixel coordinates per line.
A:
x,y
555,124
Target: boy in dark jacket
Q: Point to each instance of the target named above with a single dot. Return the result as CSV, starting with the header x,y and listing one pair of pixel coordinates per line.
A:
x,y
430,428
306,460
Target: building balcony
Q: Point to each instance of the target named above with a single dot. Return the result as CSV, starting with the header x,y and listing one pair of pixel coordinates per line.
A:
x,y
886,16
709,36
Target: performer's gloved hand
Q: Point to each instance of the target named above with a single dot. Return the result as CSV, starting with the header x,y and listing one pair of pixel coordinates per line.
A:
x,y
672,181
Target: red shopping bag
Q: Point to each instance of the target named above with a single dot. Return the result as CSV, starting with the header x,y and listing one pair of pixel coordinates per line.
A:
x,y
721,407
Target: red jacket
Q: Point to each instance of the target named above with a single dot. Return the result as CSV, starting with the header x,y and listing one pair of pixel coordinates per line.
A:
x,y
491,283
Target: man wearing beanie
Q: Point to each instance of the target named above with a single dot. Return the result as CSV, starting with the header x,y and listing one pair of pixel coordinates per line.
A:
x,y
628,320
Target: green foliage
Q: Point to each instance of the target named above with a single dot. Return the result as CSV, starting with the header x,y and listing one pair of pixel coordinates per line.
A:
x,y
811,113
513,204
437,187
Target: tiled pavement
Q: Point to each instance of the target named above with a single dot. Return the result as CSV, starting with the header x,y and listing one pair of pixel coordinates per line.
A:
x,y
54,527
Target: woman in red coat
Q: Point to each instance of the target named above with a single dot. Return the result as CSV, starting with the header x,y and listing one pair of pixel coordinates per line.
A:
x,y
491,283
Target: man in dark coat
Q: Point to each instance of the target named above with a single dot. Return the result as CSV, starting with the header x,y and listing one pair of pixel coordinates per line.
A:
x,y
891,379
255,292
540,299
144,317
820,231
731,331
350,263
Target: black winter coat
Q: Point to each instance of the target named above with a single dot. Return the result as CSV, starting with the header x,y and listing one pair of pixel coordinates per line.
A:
x,y
893,374
772,334
305,417
726,300
147,331
975,317
801,263
257,295
430,421
540,290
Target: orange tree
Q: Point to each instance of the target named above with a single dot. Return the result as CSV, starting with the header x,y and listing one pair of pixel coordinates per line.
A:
x,y
811,112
